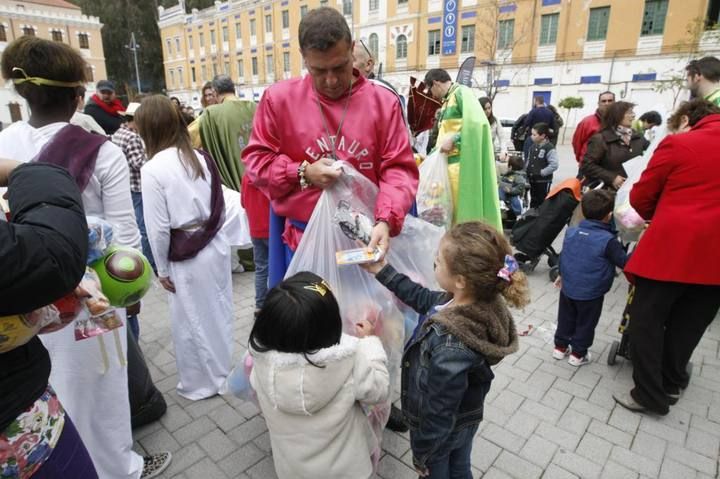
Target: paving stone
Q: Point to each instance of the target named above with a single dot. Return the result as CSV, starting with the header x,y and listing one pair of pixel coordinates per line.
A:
x,y
508,401
194,431
601,413
242,459
577,464
522,424
692,459
263,442
203,407
146,430
517,466
594,448
613,470
658,428
392,468
556,399
248,431
393,443
556,472
635,462
205,469
609,433
539,451
574,421
674,470
540,411
160,440
703,443
483,453
217,444
624,420
577,390
184,458
649,446
495,473
175,417
226,417
503,438
560,437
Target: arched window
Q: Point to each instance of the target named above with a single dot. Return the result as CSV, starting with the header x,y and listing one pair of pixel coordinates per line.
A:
x,y
401,47
373,45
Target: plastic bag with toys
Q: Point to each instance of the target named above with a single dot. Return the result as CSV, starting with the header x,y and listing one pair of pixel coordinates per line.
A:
x,y
434,198
341,219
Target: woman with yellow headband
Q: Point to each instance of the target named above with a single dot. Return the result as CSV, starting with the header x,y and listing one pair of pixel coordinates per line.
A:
x,y
95,391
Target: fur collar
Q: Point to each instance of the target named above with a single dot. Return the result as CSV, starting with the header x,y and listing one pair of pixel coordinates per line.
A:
x,y
345,349
486,328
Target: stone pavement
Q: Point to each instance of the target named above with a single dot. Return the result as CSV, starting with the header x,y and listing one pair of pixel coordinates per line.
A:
x,y
543,418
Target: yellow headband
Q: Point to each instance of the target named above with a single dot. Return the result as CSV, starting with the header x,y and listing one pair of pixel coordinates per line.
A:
x,y
320,288
43,81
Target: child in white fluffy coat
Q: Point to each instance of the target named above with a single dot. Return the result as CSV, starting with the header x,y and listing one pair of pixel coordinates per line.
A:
x,y
311,380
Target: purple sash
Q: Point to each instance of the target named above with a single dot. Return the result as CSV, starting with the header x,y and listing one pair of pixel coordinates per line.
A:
x,y
74,149
187,244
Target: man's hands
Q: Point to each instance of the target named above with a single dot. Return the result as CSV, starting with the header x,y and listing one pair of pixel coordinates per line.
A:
x,y
322,174
618,182
380,239
167,283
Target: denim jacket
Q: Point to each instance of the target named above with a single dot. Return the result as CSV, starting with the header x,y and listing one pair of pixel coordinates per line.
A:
x,y
446,364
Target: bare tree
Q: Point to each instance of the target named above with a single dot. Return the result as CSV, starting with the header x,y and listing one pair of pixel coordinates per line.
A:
x,y
496,52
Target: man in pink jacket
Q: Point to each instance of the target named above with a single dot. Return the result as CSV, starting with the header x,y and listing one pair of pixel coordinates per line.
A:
x,y
304,124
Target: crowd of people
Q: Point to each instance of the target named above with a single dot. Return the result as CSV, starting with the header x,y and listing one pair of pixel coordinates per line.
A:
x,y
183,190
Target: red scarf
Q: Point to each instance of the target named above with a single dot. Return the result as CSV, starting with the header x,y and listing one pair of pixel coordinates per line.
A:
x,y
113,108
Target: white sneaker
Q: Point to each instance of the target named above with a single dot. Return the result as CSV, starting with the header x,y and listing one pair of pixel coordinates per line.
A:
x,y
560,353
577,362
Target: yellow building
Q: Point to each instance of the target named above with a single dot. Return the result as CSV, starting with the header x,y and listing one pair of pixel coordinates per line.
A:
x,y
56,20
255,41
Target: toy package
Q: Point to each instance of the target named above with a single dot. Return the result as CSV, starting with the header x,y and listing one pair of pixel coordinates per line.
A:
x,y
341,218
100,235
434,198
101,317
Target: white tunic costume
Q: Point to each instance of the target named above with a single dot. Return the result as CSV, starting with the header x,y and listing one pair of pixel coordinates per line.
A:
x,y
201,309
95,398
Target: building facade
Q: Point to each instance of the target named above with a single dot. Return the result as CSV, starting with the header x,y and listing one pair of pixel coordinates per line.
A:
x,y
56,20
523,48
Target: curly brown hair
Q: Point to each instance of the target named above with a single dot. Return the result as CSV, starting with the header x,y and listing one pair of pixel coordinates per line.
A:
x,y
477,251
695,110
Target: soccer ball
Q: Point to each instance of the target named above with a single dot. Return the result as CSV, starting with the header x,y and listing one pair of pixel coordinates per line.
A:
x,y
125,275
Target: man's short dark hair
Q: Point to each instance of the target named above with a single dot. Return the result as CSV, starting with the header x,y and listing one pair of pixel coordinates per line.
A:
x,y
516,163
542,128
651,118
596,204
323,28
539,100
436,74
606,93
708,67
223,84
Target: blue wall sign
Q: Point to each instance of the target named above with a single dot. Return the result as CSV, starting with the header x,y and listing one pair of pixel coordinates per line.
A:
x,y
449,38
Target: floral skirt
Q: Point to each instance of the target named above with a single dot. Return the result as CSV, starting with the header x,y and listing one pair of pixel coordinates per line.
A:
x,y
29,440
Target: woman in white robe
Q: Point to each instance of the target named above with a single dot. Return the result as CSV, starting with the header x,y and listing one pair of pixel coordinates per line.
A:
x,y
91,382
177,186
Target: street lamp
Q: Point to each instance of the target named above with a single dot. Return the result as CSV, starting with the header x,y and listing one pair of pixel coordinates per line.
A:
x,y
134,47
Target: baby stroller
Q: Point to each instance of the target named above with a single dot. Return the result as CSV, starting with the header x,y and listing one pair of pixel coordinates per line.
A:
x,y
509,217
534,232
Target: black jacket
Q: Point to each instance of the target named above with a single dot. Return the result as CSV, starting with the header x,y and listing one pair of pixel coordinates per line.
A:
x,y
109,123
606,154
43,250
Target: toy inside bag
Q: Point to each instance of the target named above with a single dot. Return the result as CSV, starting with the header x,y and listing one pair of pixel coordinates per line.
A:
x,y
341,217
434,197
101,317
238,381
100,235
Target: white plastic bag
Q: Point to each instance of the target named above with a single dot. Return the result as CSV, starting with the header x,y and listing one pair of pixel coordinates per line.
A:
x,y
434,196
336,219
627,221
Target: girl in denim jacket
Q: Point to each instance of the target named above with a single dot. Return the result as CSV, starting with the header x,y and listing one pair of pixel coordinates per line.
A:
x,y
462,331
